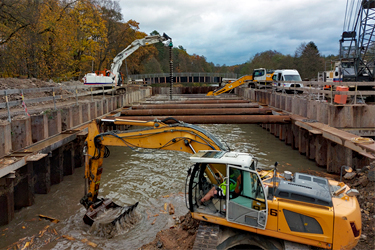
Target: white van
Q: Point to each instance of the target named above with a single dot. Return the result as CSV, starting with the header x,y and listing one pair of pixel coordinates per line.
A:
x,y
286,78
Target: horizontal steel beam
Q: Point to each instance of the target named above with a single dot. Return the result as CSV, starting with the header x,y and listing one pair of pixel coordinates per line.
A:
x,y
197,106
173,112
202,101
218,119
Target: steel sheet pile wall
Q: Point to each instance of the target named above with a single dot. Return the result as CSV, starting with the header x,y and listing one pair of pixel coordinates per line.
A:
x,y
328,149
50,152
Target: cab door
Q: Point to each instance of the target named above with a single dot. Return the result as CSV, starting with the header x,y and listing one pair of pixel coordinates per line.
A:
x,y
246,199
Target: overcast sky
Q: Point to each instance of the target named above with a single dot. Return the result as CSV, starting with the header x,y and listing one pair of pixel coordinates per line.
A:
x,y
232,31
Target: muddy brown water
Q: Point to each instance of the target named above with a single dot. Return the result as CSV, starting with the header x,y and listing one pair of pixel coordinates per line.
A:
x,y
153,179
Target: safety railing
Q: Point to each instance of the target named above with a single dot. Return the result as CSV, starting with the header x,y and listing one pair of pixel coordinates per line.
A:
x,y
329,90
22,97
185,74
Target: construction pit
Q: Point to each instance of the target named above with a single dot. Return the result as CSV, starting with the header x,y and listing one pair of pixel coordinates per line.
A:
x,y
31,178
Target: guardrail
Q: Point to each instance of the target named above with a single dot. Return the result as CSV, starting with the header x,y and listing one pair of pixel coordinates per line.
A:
x,y
359,89
55,94
185,74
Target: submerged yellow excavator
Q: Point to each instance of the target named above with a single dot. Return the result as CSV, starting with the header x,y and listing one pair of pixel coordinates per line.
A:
x,y
299,208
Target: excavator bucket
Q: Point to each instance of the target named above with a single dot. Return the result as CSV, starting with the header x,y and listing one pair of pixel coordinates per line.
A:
x,y
106,218
211,93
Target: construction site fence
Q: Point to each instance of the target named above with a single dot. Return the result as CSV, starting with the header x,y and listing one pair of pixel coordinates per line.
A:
x,y
53,94
323,90
184,74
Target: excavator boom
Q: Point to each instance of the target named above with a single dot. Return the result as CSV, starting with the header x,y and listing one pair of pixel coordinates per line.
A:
x,y
178,136
113,76
230,86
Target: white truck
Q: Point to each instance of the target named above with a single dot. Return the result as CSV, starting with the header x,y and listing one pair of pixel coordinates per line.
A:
x,y
113,76
288,80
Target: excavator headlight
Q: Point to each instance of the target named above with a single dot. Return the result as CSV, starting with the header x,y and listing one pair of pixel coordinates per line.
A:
x,y
352,192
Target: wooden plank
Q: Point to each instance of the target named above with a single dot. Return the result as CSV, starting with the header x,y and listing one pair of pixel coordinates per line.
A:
x,y
315,132
36,157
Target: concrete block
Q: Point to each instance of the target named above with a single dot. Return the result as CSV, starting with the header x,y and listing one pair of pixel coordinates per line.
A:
x,y
364,116
99,108
303,107
5,138
39,127
93,110
66,118
21,132
56,166
105,106
110,104
278,101
295,105
282,102
77,115
312,110
115,102
288,103
273,100
54,122
85,112
322,112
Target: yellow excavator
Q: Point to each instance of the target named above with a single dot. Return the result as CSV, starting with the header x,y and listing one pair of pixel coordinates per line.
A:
x,y
260,76
296,207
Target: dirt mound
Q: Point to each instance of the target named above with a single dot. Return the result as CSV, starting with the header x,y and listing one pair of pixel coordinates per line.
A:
x,y
364,182
180,236
16,83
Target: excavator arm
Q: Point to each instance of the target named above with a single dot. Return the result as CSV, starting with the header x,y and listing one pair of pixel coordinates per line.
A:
x,y
120,57
230,86
178,136
113,76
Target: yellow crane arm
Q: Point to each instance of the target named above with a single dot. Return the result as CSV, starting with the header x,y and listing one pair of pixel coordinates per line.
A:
x,y
178,136
231,85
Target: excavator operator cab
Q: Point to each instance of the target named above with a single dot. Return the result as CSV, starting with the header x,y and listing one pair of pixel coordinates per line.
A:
x,y
244,200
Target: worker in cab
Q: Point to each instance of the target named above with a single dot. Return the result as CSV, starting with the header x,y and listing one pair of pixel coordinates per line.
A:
x,y
220,191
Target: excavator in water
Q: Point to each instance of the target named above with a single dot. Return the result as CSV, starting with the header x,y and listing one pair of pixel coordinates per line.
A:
x,y
295,207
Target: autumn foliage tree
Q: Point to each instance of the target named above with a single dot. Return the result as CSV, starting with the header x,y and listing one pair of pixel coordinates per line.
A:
x,y
65,39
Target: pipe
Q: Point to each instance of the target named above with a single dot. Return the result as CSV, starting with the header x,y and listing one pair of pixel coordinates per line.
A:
x,y
217,111
205,101
218,119
196,106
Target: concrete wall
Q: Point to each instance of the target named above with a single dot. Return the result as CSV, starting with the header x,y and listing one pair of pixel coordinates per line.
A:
x,y
36,177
